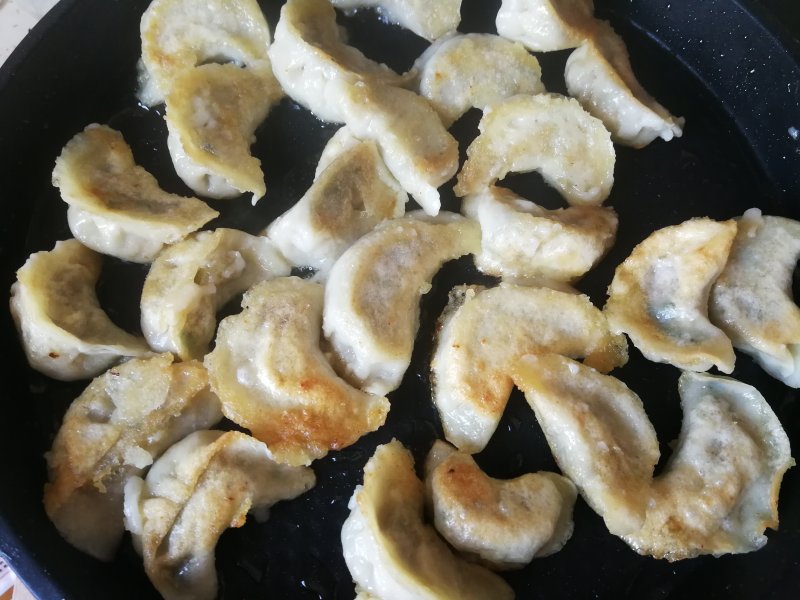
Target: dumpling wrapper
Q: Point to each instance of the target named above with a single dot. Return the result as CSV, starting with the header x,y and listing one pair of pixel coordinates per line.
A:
x,y
349,197
475,70
115,206
483,332
751,300
659,295
525,242
212,113
392,553
545,25
201,486
719,490
310,56
598,74
178,35
504,523
598,432
191,280
273,379
372,296
547,133
430,20
414,144
65,333
113,431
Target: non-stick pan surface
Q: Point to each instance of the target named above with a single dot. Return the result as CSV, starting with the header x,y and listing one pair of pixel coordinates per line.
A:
x,y
719,63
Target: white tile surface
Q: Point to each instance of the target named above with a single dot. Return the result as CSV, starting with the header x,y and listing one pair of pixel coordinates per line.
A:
x,y
16,19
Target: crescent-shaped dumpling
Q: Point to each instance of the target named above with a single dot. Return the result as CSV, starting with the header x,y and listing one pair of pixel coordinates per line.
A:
x,y
547,133
212,113
414,144
309,56
201,486
113,431
178,35
372,295
483,332
430,20
115,206
598,74
191,280
505,524
348,198
525,242
751,300
273,379
65,333
659,295
598,432
392,553
475,70
545,25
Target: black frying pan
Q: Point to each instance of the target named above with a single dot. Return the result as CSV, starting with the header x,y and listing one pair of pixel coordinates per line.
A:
x,y
726,65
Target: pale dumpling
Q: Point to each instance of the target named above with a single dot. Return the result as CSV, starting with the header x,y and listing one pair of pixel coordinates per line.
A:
x,y
65,333
659,295
201,486
545,25
751,300
272,378
598,432
178,35
484,331
547,133
115,206
475,70
113,431
349,197
191,280
372,295
310,56
525,242
391,553
504,523
598,74
212,114
430,20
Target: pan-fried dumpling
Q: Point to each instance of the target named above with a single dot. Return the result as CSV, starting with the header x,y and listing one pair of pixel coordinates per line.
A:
x,y
372,296
483,332
310,55
659,295
272,377
392,553
190,281
194,492
212,113
598,74
65,333
545,25
751,300
180,34
414,144
348,198
526,242
547,133
113,431
430,20
505,524
598,432
115,206
719,491
475,70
